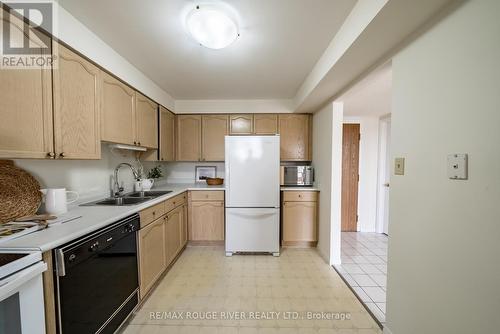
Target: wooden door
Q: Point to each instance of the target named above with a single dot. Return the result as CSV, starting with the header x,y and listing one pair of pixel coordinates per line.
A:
x,y
241,124
350,176
146,113
26,129
77,92
214,129
118,111
265,124
173,233
151,254
207,221
299,221
188,138
167,135
294,133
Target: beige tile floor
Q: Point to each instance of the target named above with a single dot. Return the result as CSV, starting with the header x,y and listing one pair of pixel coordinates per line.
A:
x,y
204,281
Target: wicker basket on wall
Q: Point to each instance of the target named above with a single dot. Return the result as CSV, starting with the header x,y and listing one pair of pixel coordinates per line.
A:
x,y
19,192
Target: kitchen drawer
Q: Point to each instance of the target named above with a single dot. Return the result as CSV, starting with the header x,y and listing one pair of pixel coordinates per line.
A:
x,y
211,195
300,196
152,213
175,202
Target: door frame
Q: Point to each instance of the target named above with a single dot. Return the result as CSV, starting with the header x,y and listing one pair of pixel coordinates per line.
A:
x,y
383,172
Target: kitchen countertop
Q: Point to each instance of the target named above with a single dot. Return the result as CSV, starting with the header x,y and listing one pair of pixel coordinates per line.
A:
x,y
299,189
95,217
92,219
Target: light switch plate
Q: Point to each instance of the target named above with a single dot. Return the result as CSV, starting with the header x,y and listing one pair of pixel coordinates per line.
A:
x,y
457,166
399,166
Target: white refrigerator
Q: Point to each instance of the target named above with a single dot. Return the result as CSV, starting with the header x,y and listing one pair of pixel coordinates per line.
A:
x,y
252,194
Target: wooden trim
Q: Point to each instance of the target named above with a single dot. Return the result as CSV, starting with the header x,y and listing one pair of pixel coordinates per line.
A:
x,y
48,294
299,244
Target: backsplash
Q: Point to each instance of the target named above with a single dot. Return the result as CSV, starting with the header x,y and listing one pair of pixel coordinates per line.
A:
x,y
87,177
184,172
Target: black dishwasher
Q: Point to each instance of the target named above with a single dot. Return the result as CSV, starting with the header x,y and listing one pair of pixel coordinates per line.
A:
x,y
96,279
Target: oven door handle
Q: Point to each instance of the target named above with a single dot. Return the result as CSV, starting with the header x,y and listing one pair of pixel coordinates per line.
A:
x,y
11,284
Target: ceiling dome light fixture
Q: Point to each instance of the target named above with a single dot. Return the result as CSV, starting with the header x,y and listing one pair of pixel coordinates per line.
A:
x,y
211,27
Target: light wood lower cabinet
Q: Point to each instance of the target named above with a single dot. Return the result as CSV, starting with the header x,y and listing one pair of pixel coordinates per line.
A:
x,y
160,240
299,217
206,216
173,231
152,257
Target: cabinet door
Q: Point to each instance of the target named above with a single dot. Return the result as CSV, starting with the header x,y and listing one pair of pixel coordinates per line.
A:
x,y
299,221
206,222
214,129
184,225
25,104
151,254
76,107
167,135
241,124
118,111
265,124
146,112
188,138
173,233
294,133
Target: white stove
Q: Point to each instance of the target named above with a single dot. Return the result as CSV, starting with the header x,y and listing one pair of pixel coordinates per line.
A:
x,y
21,292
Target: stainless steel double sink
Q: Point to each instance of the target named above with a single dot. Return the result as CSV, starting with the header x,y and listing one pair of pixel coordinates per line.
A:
x,y
132,198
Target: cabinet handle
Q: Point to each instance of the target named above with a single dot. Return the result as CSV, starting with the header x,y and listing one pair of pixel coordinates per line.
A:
x,y
139,143
154,213
51,154
62,155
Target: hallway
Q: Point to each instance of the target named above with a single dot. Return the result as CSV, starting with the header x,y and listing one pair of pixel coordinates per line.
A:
x,y
364,268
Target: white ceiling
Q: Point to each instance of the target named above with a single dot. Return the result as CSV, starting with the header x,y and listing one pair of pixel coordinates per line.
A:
x,y
372,96
281,40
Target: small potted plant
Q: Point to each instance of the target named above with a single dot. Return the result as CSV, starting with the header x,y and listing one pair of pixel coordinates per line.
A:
x,y
154,173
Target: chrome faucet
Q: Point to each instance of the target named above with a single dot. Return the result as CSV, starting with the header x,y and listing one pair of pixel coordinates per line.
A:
x,y
118,191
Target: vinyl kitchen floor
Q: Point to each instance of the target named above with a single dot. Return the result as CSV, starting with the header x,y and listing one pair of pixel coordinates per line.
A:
x,y
203,281
364,267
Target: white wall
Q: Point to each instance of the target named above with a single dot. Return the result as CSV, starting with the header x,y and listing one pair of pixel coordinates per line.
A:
x,y
443,271
327,129
74,33
89,178
184,172
368,168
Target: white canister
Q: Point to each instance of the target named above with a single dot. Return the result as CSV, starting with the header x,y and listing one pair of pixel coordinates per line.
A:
x,y
138,185
147,184
56,201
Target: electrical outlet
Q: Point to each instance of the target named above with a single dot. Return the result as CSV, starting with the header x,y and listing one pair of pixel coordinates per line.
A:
x,y
399,166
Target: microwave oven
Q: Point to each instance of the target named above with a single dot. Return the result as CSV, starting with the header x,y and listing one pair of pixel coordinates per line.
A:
x,y
302,176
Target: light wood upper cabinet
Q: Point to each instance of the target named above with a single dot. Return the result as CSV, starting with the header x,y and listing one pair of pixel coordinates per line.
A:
x,y
152,259
265,124
295,132
214,129
167,135
76,84
26,129
118,111
188,130
146,121
241,124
